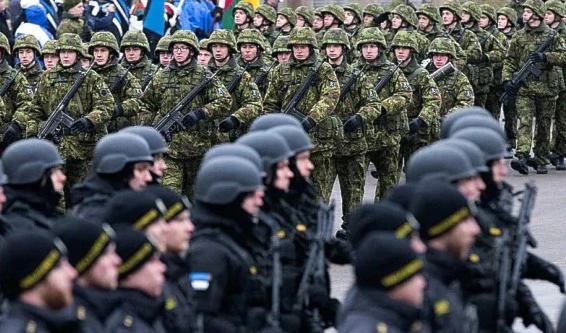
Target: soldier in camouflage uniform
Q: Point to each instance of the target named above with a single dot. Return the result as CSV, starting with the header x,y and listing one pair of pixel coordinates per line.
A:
x,y
246,98
305,16
251,58
27,49
539,98
204,55
371,12
86,58
286,21
357,108
317,20
49,54
333,16
383,143
135,47
162,52
353,19
517,6
264,20
169,85
492,52
243,17
90,107
72,20
424,109
403,18
315,107
280,51
123,85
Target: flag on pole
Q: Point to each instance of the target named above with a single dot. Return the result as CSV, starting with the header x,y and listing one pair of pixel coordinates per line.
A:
x,y
154,22
51,10
121,16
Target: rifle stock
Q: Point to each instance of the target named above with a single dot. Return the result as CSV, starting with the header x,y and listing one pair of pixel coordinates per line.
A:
x,y
290,108
384,80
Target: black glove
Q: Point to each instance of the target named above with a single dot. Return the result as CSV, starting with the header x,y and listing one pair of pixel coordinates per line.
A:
x,y
415,125
338,251
308,124
191,119
530,311
118,111
319,298
484,58
353,123
538,57
509,88
82,125
12,134
228,124
540,269
167,136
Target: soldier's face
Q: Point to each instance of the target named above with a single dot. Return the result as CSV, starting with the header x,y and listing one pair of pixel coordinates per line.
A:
x,y
304,164
471,187
165,58
370,52
253,202
301,52
502,22
101,55
499,171
283,57
58,179
149,278
57,288
317,22
411,291
564,19
68,57
402,54
466,17
424,22
141,176
240,17
157,231
396,21
328,20
484,21
531,20
181,52
459,240
133,53
447,17
549,17
85,62
78,10
258,20
300,21
219,52
281,21
349,17
26,56
249,51
50,60
368,19
204,57
104,272
159,166
179,233
283,175
440,60
334,51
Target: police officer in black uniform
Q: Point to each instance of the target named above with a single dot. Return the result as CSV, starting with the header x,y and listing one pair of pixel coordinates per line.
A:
x,y
157,147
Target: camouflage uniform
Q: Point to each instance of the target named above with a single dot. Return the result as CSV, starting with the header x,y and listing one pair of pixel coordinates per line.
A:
x,y
383,143
317,104
426,101
517,6
410,18
127,93
92,100
539,98
351,146
260,66
269,17
162,46
50,47
164,92
306,13
354,29
75,25
143,69
246,98
455,89
33,72
249,10
374,10
335,10
291,17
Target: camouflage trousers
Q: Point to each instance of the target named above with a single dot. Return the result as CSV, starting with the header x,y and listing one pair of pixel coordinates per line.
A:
x,y
542,108
492,102
76,171
180,175
411,143
386,161
559,131
351,171
324,173
480,98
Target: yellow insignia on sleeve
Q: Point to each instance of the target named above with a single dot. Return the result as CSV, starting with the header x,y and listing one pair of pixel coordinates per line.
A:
x,y
495,231
381,328
31,327
128,321
441,307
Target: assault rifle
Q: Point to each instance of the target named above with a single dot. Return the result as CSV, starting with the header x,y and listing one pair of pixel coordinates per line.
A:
x,y
384,80
58,118
350,83
148,79
9,83
443,72
290,108
273,318
260,79
119,80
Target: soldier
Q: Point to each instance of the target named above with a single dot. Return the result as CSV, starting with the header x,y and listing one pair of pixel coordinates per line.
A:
x,y
317,20
305,16
403,18
86,58
424,109
37,280
27,49
251,49
370,13
204,55
455,89
243,17
506,18
333,17
35,185
246,97
353,19
73,22
122,84
384,140
539,98
135,47
286,21
49,54
492,52
90,108
157,148
358,107
280,50
162,52
316,105
264,20
214,102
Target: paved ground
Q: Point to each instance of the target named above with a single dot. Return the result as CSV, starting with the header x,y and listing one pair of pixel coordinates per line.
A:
x,y
548,226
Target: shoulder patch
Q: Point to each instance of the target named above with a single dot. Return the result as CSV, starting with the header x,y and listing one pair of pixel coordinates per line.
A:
x,y
200,281
406,86
469,94
104,92
441,307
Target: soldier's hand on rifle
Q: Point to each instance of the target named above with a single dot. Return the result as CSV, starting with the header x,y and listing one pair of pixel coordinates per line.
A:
x,y
338,251
12,134
118,111
509,88
538,268
415,125
82,125
191,119
353,123
538,57
308,124
167,136
228,124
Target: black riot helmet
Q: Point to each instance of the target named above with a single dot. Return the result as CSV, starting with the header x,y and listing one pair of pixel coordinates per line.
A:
x,y
474,153
272,120
296,137
115,151
26,161
237,150
151,136
439,161
465,112
477,121
270,146
490,142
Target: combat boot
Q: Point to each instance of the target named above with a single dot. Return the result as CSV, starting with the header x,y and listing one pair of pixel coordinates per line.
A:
x,y
541,169
521,166
554,158
560,166
343,234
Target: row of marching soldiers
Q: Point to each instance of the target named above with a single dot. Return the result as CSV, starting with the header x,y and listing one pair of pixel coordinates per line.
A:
x,y
441,253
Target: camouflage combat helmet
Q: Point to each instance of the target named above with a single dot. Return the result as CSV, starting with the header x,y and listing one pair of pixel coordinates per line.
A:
x,y
318,12
404,39
536,6
371,35
306,13
247,7
489,11
556,6
84,51
336,10
429,11
50,47
373,9
289,14
302,36
225,37
4,44
104,38
335,36
453,6
473,9
27,41
251,36
407,14
204,44
442,46
267,12
357,9
280,45
163,44
70,41
186,37
510,13
134,38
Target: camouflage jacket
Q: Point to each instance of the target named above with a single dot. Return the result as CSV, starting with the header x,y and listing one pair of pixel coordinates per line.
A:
x,y
142,70
426,99
318,102
422,42
497,66
361,99
523,44
482,73
246,98
456,91
92,100
469,43
168,87
126,94
17,99
260,67
269,34
517,6
75,25
32,74
438,31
